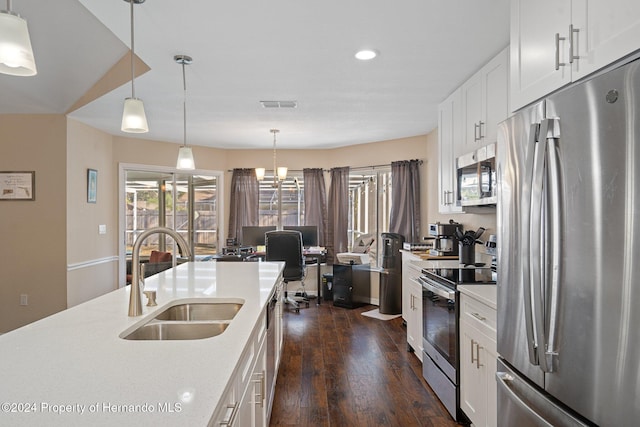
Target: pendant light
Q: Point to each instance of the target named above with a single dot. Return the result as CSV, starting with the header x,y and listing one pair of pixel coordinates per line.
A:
x,y
185,155
134,120
279,173
16,54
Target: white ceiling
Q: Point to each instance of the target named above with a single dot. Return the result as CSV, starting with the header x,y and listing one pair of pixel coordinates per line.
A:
x,y
252,50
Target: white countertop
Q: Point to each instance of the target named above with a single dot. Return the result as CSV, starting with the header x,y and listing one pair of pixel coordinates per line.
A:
x,y
75,361
487,294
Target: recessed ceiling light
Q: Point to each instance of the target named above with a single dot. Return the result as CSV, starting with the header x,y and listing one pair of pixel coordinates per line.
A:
x,y
366,54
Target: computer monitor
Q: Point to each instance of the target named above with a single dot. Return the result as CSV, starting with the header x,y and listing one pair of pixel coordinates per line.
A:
x,y
254,235
309,234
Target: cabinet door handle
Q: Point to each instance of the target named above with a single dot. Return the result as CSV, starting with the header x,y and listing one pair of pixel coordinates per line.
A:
x,y
445,198
480,135
476,359
478,347
475,132
572,42
473,342
260,395
558,63
232,417
477,316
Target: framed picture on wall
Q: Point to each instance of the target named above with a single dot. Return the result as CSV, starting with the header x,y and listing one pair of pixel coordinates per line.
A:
x,y
92,186
17,185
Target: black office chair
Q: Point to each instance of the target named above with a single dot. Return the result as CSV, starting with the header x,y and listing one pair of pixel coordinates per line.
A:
x,y
286,245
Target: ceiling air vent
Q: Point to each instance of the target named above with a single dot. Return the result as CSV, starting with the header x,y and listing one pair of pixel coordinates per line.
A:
x,y
279,104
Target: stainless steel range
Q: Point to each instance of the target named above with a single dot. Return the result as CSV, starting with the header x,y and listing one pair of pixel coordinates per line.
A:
x,y
440,326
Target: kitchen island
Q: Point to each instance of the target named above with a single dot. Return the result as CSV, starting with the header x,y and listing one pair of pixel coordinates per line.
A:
x,y
74,369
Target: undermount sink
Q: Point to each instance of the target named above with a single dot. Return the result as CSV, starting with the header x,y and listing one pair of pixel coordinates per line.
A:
x,y
187,321
200,311
177,331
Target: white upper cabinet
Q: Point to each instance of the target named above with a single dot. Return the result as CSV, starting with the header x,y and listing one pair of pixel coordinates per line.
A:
x,y
485,104
449,129
473,120
604,32
467,120
495,91
555,42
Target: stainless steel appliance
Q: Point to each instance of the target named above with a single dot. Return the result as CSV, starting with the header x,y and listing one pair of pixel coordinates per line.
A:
x,y
440,328
477,177
446,243
568,271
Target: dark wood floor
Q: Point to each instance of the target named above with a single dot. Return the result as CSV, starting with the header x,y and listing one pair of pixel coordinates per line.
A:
x,y
340,368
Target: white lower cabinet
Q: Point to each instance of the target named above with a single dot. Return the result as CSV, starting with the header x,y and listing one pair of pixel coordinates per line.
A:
x,y
244,402
414,318
412,301
253,403
478,362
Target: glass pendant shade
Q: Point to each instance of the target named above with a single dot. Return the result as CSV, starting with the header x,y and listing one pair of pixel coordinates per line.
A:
x,y
134,120
282,173
260,173
185,159
16,55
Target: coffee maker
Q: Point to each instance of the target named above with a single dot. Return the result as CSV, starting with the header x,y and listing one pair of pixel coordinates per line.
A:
x,y
446,242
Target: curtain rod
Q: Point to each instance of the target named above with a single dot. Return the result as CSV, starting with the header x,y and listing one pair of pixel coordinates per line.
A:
x,y
350,168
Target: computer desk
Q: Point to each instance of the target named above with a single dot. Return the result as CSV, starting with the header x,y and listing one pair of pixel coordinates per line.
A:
x,y
308,254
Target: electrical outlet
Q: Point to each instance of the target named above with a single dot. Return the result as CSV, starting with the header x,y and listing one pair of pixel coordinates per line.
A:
x,y
102,229
24,299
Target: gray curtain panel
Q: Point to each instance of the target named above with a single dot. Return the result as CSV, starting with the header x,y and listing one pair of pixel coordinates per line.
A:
x,y
245,192
315,202
405,203
337,237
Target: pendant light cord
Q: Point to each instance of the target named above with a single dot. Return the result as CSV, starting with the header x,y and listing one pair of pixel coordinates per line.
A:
x,y
133,88
275,170
184,105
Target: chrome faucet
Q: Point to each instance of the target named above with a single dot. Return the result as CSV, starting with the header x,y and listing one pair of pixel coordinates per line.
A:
x,y
135,300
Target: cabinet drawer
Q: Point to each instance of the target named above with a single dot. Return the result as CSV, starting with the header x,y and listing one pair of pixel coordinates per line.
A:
x,y
479,315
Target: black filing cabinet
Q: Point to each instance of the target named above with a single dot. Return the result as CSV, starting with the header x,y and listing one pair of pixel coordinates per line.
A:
x,y
351,285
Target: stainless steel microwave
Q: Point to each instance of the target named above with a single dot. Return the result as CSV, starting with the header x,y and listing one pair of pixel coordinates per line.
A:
x,y
476,177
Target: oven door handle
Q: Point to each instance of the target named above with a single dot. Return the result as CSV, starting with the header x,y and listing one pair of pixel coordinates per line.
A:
x,y
438,290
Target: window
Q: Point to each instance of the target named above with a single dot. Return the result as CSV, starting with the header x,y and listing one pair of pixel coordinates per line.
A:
x,y
184,202
292,200
369,206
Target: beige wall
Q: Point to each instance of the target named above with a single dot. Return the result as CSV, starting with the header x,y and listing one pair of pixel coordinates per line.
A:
x,y
92,258
33,233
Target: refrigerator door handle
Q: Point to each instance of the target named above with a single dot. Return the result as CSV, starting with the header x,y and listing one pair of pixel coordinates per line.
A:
x,y
525,240
503,378
536,268
554,221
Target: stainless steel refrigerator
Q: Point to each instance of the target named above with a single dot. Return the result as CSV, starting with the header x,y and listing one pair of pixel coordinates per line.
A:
x,y
568,172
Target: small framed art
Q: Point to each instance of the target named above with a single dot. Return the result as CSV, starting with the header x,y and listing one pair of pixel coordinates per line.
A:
x,y
18,185
92,186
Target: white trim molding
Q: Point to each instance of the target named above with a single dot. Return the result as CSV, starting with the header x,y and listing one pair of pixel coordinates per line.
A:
x,y
92,262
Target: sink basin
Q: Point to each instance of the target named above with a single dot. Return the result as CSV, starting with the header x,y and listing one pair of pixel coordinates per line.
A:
x,y
200,311
177,331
